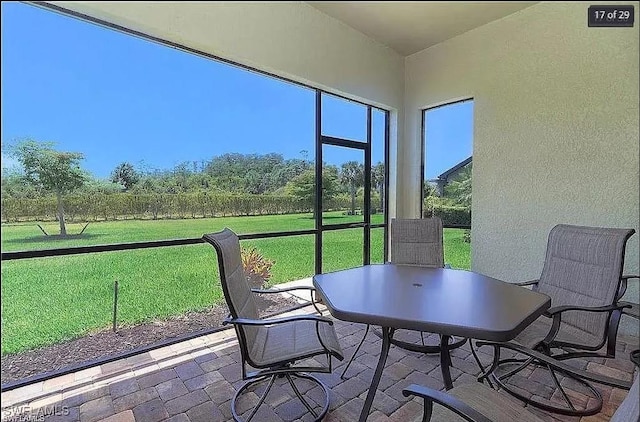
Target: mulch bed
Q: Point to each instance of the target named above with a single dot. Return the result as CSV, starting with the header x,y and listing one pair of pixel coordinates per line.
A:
x,y
106,342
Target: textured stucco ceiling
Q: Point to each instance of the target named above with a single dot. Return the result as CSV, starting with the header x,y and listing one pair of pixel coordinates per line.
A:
x,y
409,27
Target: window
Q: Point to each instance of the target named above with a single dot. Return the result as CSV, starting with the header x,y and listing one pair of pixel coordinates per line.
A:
x,y
447,170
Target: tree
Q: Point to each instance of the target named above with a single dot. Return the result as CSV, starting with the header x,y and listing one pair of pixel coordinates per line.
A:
x,y
280,175
352,175
377,181
429,189
460,188
14,186
303,186
99,186
54,171
126,175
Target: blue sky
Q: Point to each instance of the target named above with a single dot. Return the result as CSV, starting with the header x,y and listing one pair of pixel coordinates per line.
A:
x,y
449,137
118,98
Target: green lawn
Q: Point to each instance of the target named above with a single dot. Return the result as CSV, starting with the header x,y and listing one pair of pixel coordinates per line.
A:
x,y
25,236
48,300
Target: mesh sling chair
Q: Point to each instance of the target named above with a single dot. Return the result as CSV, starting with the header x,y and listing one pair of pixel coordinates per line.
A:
x,y
415,242
271,346
476,402
582,274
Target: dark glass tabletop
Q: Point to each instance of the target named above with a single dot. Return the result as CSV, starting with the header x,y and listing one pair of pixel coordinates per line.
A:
x,y
437,300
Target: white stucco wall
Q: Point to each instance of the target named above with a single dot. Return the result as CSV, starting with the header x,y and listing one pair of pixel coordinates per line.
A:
x,y
288,39
555,131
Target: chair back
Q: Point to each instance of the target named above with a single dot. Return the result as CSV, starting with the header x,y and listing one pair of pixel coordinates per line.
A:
x,y
235,287
583,267
417,242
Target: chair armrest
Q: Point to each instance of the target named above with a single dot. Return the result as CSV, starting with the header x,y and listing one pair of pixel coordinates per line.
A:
x,y
556,314
631,309
286,289
559,309
554,363
527,283
450,402
273,321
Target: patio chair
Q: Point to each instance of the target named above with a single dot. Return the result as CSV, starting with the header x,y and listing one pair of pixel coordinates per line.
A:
x,y
582,274
415,242
274,346
478,403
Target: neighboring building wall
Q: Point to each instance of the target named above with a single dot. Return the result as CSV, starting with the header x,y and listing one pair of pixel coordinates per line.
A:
x,y
289,39
441,183
455,174
555,131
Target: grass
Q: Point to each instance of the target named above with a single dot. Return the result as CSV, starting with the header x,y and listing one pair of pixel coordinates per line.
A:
x,y
25,236
49,300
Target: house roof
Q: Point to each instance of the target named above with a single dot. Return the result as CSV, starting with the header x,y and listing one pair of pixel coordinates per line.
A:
x,y
455,168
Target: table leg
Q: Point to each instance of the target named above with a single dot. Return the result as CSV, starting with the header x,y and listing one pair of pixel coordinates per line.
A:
x,y
387,333
445,361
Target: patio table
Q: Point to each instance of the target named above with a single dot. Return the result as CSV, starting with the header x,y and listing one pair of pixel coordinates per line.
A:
x,y
437,300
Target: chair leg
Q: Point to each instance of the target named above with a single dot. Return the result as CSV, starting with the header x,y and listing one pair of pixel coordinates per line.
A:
x,y
234,413
593,406
325,408
297,392
344,371
318,416
482,368
517,369
559,387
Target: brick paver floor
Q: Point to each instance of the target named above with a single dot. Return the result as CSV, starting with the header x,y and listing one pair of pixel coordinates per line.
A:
x,y
195,380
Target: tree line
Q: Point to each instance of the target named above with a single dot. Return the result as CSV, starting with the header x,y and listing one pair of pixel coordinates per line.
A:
x,y
53,184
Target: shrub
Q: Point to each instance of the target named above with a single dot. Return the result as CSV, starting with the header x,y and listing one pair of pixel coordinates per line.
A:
x,y
102,206
257,268
450,215
466,236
